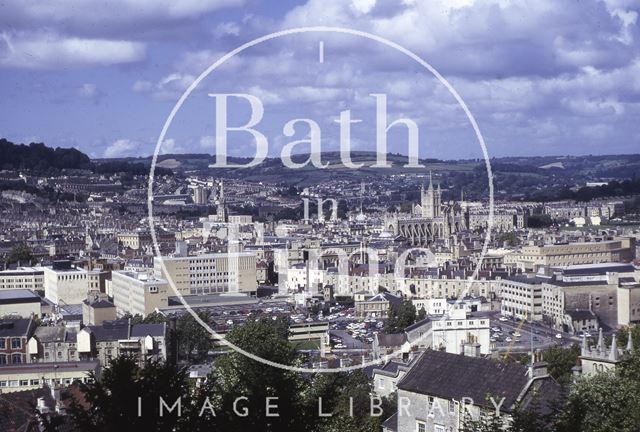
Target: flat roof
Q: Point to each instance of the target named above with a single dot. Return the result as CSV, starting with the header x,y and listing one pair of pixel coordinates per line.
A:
x,y
49,367
18,296
22,270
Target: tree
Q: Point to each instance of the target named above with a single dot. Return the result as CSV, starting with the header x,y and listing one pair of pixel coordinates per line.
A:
x,y
400,317
127,397
20,253
561,361
337,391
194,341
606,401
623,336
238,375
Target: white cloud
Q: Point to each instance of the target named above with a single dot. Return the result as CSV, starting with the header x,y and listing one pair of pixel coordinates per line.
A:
x,y
51,51
105,17
121,148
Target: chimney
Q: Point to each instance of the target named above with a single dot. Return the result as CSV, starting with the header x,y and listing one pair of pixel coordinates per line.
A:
x,y
538,367
471,349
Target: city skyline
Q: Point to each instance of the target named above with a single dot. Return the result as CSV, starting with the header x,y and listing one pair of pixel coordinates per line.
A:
x,y
541,79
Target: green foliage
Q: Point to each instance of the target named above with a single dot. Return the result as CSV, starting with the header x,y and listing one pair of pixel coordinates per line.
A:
x,y
560,362
607,401
400,317
37,156
112,402
20,253
623,336
488,422
194,341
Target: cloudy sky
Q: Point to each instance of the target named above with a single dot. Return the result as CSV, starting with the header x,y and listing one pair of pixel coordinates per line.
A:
x,y
542,77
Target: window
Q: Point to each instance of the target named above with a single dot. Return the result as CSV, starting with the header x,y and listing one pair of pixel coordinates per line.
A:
x,y
16,358
452,407
35,382
381,383
16,343
3,359
24,383
3,343
421,426
438,428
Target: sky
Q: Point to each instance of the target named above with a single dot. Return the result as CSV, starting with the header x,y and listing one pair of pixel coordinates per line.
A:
x,y
540,77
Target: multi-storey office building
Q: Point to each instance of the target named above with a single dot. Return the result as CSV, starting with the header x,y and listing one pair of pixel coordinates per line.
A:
x,y
23,278
70,285
215,273
522,297
138,293
532,258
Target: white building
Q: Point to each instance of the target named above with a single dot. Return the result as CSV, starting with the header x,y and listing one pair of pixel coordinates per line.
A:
x,y
23,278
522,297
138,293
458,328
66,284
214,273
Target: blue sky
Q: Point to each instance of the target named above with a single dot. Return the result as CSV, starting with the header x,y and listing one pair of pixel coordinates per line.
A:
x,y
541,77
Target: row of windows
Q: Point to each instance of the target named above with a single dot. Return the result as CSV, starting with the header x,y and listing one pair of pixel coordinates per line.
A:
x,y
36,382
15,359
16,343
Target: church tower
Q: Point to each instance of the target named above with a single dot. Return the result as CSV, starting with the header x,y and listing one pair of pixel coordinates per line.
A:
x,y
431,201
221,209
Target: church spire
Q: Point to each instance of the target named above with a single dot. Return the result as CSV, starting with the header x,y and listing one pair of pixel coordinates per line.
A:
x,y
430,181
600,341
613,355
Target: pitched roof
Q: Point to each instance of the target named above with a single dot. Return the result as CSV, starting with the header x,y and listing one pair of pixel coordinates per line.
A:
x,y
453,376
16,327
17,409
148,330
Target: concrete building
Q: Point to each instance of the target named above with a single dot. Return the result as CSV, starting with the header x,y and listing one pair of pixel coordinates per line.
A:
x,y
20,303
23,278
32,376
458,329
628,296
95,311
592,287
521,297
138,293
532,258
70,285
215,273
